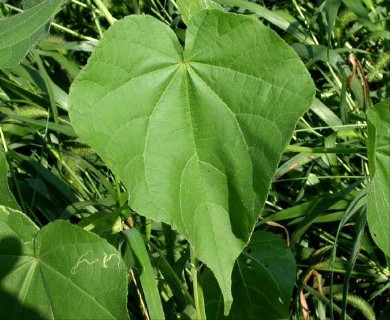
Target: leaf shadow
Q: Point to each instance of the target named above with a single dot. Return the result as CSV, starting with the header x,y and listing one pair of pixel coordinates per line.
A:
x,y
10,306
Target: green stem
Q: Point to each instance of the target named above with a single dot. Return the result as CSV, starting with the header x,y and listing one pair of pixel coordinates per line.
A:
x,y
198,290
125,212
148,229
173,273
103,9
324,150
73,33
58,26
96,20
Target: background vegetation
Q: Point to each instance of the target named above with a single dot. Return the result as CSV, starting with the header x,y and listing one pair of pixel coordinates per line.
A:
x,y
317,196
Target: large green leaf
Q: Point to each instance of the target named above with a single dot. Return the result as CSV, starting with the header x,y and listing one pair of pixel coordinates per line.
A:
x,y
6,196
263,282
58,272
378,198
21,31
195,136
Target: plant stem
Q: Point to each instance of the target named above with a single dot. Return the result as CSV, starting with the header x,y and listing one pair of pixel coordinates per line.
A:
x,y
56,25
324,150
198,290
105,11
148,228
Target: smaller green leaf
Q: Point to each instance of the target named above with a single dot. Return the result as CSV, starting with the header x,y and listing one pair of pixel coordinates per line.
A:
x,y
6,196
326,114
331,10
58,272
22,31
378,200
189,8
146,274
263,280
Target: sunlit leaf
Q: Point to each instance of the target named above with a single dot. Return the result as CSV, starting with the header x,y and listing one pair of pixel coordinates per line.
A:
x,y
20,32
189,8
6,196
42,269
378,198
195,136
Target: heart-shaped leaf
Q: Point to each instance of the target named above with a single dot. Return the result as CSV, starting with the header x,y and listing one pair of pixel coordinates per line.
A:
x,y
23,30
58,272
263,281
378,201
195,136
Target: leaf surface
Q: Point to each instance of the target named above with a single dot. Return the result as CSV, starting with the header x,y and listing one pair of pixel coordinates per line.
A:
x,y
20,32
195,136
6,196
378,197
189,8
58,272
263,281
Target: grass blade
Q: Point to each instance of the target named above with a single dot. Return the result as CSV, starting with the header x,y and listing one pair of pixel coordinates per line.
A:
x,y
146,273
271,17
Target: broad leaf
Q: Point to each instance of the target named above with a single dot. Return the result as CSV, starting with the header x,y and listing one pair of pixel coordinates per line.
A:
x,y
195,136
263,282
189,8
378,198
6,196
21,31
58,272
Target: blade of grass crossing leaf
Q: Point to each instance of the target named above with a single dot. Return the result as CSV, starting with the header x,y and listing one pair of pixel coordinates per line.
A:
x,y
28,74
330,142
360,225
71,67
60,128
49,88
6,197
17,92
180,293
356,204
317,207
198,288
294,163
189,8
270,16
146,273
343,101
326,114
303,209
331,9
